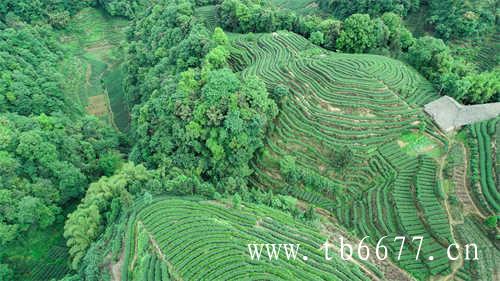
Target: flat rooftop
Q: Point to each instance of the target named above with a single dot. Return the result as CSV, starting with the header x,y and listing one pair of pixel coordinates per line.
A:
x,y
450,115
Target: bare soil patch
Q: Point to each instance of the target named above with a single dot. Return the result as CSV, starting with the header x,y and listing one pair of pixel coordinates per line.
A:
x,y
97,105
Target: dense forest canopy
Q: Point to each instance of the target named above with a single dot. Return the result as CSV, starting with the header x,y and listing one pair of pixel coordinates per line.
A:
x,y
213,88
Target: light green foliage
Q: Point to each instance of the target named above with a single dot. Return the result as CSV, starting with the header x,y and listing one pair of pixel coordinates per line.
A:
x,y
483,87
317,38
399,38
236,201
83,225
357,35
219,37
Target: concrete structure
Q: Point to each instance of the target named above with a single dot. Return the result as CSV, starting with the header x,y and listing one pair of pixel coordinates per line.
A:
x,y
450,115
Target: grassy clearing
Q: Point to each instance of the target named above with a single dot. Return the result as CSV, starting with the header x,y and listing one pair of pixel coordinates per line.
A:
x,y
415,143
94,65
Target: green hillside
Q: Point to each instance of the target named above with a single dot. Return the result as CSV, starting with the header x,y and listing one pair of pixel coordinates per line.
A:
x,y
193,239
227,140
363,103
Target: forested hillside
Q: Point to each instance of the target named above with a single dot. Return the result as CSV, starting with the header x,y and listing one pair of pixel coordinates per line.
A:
x,y
156,139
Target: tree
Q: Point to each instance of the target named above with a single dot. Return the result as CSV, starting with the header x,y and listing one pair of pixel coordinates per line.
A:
x,y
491,222
216,58
219,37
483,87
6,273
84,224
236,201
331,29
342,157
462,19
357,35
399,37
317,38
280,94
310,213
148,198
345,8
431,57
216,122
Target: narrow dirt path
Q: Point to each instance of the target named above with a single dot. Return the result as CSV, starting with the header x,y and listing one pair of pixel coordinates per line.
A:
x,y
171,269
461,189
88,73
116,268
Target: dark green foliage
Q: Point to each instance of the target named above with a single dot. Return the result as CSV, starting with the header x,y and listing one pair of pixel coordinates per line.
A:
x,y
451,76
461,18
46,161
126,8
345,8
154,59
280,94
30,82
211,128
491,222
56,13
5,272
342,158
357,35
49,150
431,57
212,122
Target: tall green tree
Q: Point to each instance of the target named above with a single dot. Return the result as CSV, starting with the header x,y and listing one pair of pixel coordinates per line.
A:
x,y
357,35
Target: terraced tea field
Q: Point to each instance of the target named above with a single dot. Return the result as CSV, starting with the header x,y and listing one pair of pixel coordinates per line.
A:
x,y
189,239
484,165
372,106
207,15
94,66
304,7
470,232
